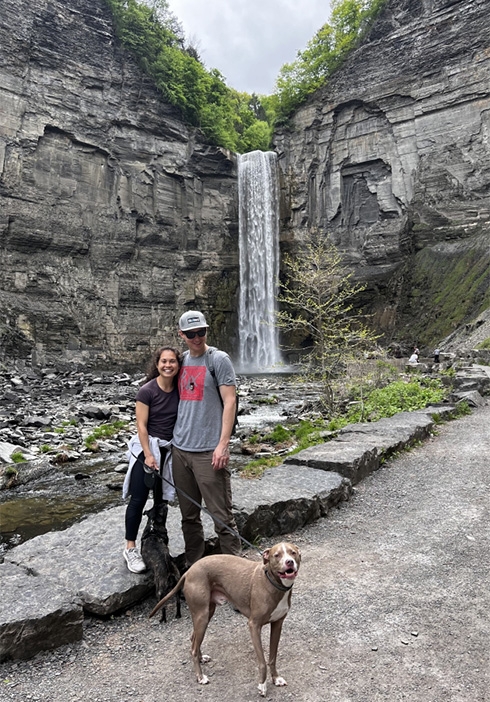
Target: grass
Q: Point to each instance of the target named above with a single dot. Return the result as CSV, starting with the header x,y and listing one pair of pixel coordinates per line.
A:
x,y
104,431
17,457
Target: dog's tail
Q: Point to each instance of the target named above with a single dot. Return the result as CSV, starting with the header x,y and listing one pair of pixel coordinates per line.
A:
x,y
170,594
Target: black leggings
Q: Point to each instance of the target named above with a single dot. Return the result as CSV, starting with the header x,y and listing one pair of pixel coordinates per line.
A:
x,y
139,496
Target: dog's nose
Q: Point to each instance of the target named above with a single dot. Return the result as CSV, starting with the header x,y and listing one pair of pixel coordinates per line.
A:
x,y
289,562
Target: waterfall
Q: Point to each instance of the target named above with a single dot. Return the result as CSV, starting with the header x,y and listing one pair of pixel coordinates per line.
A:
x,y
258,194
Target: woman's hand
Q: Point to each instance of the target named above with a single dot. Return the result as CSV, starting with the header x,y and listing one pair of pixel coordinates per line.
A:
x,y
151,462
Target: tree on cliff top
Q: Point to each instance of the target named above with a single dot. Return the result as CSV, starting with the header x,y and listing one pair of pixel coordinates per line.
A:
x,y
317,300
154,36
348,24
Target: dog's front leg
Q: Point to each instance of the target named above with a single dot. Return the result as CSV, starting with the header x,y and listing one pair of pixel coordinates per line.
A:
x,y
276,628
255,630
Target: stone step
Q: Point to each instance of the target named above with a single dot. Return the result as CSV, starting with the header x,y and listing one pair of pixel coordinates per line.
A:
x,y
49,581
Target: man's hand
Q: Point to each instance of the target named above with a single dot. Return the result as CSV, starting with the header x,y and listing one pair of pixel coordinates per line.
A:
x,y
221,456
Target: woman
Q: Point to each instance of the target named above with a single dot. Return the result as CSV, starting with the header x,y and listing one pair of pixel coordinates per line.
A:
x,y
157,402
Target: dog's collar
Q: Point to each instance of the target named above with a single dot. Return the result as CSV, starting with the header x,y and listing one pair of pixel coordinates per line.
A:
x,y
279,586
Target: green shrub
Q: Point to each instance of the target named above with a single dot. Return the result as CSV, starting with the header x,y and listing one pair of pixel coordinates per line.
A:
x,y
399,396
17,457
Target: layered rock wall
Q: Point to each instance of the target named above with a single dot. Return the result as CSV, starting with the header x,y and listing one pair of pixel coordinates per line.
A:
x,y
114,215
392,159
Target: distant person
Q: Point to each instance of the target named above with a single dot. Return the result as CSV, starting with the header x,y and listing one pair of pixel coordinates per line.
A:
x,y
201,439
157,403
436,356
414,359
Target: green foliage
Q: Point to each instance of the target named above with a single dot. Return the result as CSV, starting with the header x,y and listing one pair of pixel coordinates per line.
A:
x,y
279,435
485,344
228,118
399,396
17,457
462,409
349,22
446,289
104,431
317,303
45,448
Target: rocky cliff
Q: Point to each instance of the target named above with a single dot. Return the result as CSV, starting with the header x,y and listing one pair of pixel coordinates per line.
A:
x,y
114,215
392,158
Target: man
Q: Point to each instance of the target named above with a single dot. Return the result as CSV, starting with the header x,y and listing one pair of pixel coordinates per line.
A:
x,y
200,452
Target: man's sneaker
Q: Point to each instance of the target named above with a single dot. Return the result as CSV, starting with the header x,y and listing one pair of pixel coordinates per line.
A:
x,y
133,558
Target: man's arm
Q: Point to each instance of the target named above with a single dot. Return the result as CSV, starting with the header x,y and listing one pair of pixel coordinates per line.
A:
x,y
221,454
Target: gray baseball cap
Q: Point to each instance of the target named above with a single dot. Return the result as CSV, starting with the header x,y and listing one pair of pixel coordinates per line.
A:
x,y
192,320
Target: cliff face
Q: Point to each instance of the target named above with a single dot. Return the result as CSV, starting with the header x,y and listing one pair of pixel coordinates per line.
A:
x,y
114,215
392,158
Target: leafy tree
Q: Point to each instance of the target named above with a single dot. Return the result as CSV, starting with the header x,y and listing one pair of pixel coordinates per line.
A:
x,y
155,37
317,300
350,19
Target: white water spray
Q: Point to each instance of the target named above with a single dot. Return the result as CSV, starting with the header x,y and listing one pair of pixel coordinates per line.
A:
x,y
258,191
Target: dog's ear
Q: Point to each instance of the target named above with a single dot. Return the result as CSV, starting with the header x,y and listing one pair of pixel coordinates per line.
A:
x,y
265,555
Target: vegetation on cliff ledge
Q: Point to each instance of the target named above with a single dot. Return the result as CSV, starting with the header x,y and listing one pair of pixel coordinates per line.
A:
x,y
234,120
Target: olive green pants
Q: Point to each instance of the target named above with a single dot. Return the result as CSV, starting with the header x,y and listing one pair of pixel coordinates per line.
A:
x,y
194,474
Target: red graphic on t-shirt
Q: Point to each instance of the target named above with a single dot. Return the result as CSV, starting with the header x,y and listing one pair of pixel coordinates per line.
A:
x,y
191,382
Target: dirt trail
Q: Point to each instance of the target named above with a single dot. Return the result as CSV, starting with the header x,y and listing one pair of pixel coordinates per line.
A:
x,y
392,603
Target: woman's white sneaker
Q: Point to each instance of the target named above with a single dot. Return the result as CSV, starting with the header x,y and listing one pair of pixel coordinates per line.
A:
x,y
133,558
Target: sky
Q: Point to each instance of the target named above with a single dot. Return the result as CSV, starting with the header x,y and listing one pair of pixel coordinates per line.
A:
x,y
249,40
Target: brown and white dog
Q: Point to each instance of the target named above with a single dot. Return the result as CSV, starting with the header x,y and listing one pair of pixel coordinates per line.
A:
x,y
260,591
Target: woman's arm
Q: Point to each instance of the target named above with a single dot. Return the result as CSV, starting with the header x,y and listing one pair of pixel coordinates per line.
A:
x,y
142,414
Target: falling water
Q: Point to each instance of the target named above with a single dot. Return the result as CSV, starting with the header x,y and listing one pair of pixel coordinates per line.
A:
x,y
259,260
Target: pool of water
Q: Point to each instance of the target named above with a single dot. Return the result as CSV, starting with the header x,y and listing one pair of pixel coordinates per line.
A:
x,y
57,500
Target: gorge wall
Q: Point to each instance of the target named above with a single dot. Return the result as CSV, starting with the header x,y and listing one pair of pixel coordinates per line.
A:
x,y
392,159
114,215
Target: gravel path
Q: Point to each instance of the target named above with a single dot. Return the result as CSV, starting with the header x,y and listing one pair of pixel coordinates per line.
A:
x,y
392,603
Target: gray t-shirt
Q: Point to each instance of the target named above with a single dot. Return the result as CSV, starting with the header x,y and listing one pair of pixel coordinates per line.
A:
x,y
198,426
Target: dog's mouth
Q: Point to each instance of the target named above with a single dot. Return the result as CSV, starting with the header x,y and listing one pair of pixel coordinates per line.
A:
x,y
288,574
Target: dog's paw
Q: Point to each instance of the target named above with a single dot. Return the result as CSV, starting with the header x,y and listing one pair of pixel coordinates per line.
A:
x,y
203,680
205,659
263,689
280,682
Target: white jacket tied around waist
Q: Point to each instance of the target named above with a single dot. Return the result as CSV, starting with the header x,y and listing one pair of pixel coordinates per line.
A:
x,y
134,450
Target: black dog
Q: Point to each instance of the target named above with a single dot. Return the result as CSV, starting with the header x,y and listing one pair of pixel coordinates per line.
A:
x,y
155,553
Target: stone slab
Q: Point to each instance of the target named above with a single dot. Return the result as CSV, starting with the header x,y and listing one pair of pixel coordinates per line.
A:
x,y
87,560
360,448
36,613
284,499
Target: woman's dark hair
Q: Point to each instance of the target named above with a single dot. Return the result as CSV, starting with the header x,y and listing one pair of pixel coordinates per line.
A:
x,y
152,370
